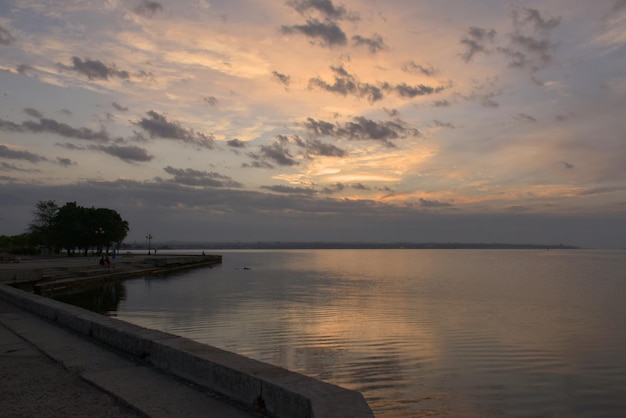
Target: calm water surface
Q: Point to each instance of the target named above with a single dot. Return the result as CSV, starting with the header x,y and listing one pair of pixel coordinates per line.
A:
x,y
458,333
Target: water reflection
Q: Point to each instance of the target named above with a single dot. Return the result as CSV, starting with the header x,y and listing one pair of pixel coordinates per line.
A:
x,y
420,333
104,299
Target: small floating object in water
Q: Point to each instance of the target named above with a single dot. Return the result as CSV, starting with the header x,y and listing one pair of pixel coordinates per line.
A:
x,y
246,268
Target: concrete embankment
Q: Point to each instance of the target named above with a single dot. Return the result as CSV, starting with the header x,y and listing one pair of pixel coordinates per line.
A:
x,y
49,276
273,390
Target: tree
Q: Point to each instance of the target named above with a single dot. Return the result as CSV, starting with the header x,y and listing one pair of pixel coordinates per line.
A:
x,y
108,226
40,228
69,227
74,227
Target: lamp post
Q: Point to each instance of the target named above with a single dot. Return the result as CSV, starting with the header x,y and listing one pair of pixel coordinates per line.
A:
x,y
99,236
149,238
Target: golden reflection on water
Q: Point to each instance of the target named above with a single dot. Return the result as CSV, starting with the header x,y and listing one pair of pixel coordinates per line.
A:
x,y
418,332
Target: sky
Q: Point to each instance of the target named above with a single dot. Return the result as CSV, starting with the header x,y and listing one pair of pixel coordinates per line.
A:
x,y
319,120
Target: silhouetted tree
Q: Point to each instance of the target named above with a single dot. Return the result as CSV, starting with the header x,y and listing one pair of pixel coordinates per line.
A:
x,y
74,227
40,229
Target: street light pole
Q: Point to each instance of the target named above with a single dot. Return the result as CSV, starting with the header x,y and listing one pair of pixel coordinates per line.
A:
x,y
149,238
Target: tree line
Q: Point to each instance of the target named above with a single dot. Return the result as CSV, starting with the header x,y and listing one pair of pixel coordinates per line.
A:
x,y
71,228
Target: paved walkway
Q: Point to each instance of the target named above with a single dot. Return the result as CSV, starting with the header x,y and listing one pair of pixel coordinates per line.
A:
x,y
49,371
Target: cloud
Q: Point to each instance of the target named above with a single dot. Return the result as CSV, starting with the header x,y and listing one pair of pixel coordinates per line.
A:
x,y
236,143
129,154
65,130
530,44
300,191
5,37
211,100
525,117
340,187
281,78
434,204
33,112
23,69
317,147
120,107
363,129
65,162
618,6
524,16
54,127
12,167
325,8
348,84
442,103
542,48
94,69
191,177
158,126
600,190
516,59
476,41
327,33
440,124
8,153
373,44
406,91
148,8
277,153
412,67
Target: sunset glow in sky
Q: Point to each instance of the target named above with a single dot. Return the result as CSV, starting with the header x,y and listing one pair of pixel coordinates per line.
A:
x,y
308,120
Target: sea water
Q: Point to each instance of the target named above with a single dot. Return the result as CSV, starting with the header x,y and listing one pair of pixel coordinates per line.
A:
x,y
463,333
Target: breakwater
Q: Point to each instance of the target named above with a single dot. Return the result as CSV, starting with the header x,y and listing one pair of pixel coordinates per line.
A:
x,y
49,276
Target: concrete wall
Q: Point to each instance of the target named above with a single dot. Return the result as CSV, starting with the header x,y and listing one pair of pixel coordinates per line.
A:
x,y
275,390
20,276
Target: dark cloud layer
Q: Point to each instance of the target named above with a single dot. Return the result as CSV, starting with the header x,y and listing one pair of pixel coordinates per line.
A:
x,y
178,212
94,69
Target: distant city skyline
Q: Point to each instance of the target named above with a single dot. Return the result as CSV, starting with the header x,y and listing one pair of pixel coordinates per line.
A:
x,y
320,120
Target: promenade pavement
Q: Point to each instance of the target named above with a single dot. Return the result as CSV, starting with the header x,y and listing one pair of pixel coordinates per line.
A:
x,y
49,371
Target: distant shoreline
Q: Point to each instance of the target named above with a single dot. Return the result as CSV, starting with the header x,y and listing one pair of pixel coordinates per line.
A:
x,y
353,246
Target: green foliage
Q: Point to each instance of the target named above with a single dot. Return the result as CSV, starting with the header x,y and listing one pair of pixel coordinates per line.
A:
x,y
72,227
